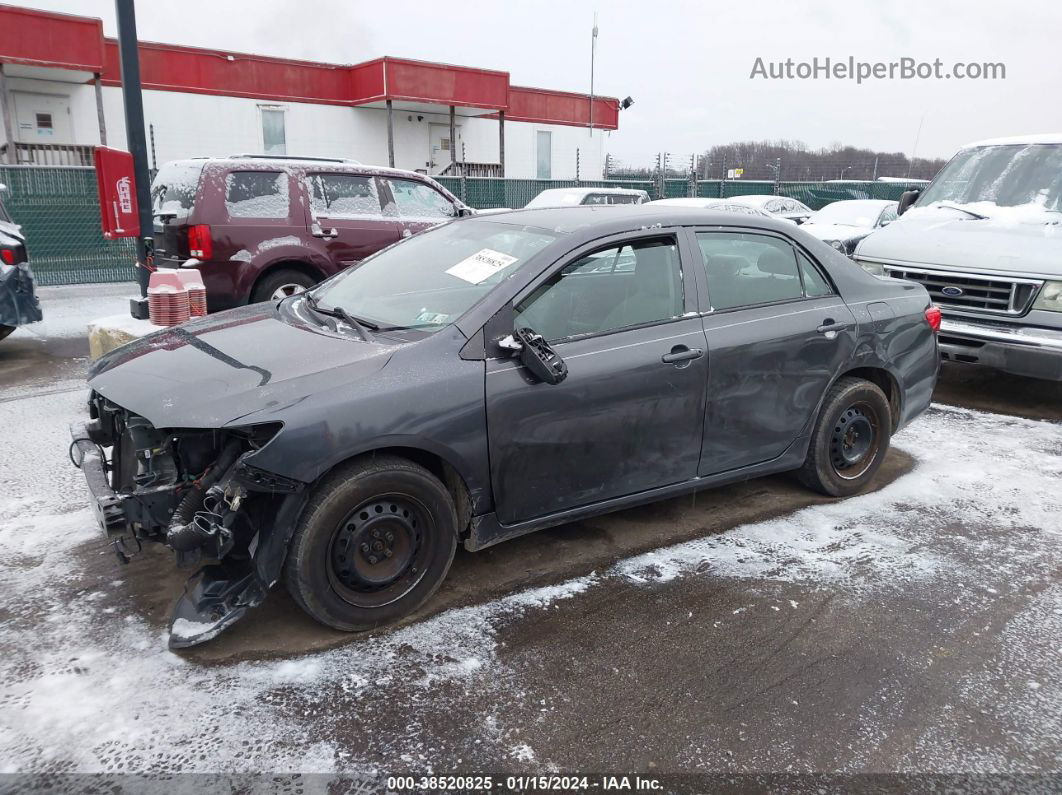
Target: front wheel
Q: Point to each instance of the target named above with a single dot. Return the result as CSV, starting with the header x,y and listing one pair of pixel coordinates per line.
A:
x,y
373,544
850,439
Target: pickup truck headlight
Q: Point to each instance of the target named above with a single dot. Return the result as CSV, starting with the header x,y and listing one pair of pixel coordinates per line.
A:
x,y
1050,297
873,268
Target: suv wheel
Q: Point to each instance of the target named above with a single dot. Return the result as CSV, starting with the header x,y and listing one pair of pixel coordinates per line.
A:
x,y
280,284
374,542
850,440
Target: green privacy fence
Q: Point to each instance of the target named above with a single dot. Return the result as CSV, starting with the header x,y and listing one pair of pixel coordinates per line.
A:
x,y
59,211
60,214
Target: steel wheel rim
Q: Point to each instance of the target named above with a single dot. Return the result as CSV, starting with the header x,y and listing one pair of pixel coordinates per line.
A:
x,y
378,552
287,290
855,441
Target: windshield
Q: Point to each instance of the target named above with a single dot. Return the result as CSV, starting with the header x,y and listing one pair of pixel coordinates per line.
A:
x,y
847,214
1023,175
431,279
174,187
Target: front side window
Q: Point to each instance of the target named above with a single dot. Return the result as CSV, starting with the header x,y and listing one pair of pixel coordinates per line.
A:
x,y
256,194
429,280
343,196
417,200
617,287
624,198
888,215
748,269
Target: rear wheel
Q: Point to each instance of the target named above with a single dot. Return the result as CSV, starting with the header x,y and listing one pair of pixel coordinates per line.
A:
x,y
850,439
280,284
373,544
5,330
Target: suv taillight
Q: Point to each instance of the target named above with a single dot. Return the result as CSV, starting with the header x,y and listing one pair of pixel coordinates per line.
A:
x,y
933,318
7,255
200,245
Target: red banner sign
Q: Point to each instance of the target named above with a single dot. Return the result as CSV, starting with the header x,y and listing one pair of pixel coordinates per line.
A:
x,y
117,186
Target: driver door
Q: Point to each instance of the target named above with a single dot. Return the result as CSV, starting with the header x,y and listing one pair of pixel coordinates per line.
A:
x,y
629,415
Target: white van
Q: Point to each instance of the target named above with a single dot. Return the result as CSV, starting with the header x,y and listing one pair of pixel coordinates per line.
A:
x,y
985,238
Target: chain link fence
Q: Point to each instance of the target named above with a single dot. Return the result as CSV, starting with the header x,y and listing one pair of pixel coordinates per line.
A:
x,y
60,214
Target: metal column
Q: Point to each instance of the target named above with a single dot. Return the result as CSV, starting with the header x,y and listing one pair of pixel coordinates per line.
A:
x,y
501,143
9,125
99,109
453,142
390,135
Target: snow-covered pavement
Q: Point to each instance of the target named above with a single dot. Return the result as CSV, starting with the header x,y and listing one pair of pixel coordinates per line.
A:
x,y
915,628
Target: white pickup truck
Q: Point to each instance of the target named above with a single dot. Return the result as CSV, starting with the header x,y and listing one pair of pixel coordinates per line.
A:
x,y
985,238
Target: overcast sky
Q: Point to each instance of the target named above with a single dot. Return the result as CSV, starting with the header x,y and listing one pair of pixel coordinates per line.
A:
x,y
686,65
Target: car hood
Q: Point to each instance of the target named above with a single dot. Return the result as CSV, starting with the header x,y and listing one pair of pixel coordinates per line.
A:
x,y
952,239
835,231
211,372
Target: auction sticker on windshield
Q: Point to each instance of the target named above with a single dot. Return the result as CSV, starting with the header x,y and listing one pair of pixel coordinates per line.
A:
x,y
481,265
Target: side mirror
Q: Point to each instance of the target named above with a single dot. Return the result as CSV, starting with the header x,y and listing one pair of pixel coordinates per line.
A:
x,y
536,355
907,198
464,212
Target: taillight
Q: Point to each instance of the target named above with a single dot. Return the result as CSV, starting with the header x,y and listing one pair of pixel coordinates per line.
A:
x,y
7,255
200,245
933,318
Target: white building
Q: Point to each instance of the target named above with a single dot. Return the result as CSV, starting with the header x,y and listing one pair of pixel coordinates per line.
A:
x,y
60,95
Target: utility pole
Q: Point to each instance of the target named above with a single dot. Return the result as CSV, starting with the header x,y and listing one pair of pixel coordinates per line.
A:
x,y
134,130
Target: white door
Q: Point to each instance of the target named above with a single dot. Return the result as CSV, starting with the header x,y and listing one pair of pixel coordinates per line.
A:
x,y
439,156
43,118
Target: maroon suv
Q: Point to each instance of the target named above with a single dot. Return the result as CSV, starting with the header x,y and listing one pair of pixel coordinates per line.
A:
x,y
264,227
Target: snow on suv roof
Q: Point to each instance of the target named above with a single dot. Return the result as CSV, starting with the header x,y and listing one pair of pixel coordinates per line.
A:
x,y
1041,138
572,196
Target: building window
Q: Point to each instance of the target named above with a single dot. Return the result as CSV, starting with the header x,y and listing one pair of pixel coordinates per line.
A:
x,y
44,121
274,139
545,154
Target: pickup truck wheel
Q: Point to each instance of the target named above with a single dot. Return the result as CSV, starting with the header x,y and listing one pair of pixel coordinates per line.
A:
x,y
5,330
374,542
850,439
280,284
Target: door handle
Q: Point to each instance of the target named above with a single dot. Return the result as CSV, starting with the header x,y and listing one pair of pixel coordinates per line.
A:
x,y
406,233
829,325
317,231
680,353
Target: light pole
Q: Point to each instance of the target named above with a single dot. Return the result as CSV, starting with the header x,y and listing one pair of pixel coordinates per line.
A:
x,y
593,53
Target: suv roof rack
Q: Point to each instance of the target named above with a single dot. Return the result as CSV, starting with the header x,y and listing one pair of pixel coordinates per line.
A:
x,y
296,157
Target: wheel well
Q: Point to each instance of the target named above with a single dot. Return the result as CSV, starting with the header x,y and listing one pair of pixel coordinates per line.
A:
x,y
288,265
439,467
885,381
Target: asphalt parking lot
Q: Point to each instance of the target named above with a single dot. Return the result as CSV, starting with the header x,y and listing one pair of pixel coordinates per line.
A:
x,y
756,628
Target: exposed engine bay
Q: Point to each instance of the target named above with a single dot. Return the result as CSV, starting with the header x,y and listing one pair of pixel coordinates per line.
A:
x,y
191,490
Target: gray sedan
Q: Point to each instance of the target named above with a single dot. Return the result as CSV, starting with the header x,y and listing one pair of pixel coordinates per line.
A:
x,y
485,379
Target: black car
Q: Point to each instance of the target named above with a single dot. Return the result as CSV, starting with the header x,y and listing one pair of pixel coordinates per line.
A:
x,y
485,379
18,302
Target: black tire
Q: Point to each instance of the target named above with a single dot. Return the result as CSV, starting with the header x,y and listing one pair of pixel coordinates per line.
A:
x,y
850,439
5,330
338,568
286,280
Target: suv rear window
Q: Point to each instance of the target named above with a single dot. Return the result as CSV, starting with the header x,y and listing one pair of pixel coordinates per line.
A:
x,y
256,194
174,187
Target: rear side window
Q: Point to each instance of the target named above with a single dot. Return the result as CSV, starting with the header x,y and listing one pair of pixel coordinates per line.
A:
x,y
174,188
256,194
417,200
344,196
746,269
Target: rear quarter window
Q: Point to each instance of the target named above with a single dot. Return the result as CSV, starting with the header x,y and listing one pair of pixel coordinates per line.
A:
x,y
257,194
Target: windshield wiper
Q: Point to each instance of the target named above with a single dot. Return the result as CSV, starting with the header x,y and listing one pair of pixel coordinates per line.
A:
x,y
361,326
961,209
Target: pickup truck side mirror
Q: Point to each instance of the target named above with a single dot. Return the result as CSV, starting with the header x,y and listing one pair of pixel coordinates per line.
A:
x,y
536,355
907,198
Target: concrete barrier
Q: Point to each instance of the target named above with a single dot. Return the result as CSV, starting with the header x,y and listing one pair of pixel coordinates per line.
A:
x,y
112,332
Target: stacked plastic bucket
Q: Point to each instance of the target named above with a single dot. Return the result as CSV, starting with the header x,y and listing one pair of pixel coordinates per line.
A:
x,y
174,296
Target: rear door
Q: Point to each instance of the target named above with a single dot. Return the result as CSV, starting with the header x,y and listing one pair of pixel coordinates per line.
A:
x,y
778,334
346,214
628,417
416,205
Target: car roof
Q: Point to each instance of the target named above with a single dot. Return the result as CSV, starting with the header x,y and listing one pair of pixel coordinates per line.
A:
x,y
1039,138
259,162
880,203
598,220
754,199
588,191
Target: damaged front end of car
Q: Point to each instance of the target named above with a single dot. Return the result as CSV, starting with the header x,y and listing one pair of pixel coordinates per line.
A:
x,y
192,490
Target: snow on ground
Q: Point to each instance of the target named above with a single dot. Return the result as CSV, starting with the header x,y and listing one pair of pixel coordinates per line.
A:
x,y
91,690
66,308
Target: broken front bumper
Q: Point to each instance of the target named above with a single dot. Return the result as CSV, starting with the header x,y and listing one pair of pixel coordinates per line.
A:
x,y
87,456
1022,350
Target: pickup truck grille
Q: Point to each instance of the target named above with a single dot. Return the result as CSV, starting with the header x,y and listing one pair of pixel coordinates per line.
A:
x,y
994,294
